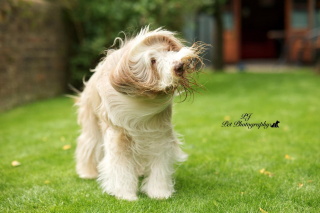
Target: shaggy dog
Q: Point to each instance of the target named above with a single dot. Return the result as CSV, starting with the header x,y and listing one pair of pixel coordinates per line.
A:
x,y
125,114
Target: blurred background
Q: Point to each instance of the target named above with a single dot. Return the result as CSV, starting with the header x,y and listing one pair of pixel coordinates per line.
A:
x,y
46,45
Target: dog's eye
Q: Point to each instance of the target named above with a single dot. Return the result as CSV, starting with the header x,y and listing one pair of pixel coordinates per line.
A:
x,y
153,61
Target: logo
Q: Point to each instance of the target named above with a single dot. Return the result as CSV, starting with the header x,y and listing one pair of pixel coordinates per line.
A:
x,y
243,122
275,125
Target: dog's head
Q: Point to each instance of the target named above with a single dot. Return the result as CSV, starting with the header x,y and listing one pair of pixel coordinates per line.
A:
x,y
156,62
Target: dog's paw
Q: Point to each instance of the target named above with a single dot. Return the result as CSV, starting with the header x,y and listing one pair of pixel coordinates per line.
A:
x,y
159,194
127,196
87,172
88,176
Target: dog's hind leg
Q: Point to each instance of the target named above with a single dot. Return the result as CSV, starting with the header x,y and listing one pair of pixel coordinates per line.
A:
x,y
89,150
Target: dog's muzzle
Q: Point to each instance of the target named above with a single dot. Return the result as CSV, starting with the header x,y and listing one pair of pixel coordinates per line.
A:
x,y
178,69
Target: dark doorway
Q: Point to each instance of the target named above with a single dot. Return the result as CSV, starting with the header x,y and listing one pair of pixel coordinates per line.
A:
x,y
258,18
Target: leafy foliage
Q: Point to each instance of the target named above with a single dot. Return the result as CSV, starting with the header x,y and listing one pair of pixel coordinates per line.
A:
x,y
97,23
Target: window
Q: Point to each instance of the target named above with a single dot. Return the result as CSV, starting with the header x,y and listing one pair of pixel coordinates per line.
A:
x,y
228,15
317,14
299,17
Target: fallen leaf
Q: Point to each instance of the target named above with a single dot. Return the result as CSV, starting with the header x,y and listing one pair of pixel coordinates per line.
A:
x,y
15,163
300,185
46,182
62,138
263,211
65,147
288,157
263,171
227,118
310,181
216,173
267,173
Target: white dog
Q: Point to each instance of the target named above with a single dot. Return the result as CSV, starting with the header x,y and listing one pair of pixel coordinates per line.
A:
x,y
125,113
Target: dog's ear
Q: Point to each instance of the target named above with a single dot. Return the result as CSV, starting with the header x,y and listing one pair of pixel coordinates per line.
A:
x,y
164,37
122,79
133,76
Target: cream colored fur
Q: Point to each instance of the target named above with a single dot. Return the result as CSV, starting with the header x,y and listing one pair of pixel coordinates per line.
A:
x,y
125,114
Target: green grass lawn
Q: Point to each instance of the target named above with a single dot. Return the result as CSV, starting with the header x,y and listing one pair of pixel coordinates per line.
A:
x,y
222,173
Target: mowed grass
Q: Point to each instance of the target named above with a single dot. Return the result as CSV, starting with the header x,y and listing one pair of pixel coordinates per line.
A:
x,y
222,173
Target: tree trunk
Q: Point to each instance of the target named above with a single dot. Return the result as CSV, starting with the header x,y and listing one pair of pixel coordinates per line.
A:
x,y
218,61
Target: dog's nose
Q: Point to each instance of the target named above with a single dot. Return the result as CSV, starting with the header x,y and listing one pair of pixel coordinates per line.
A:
x,y
178,69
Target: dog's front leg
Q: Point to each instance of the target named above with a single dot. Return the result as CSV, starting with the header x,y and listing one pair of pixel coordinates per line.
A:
x,y
158,181
117,171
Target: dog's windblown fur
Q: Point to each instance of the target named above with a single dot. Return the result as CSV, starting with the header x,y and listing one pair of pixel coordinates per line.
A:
x,y
125,113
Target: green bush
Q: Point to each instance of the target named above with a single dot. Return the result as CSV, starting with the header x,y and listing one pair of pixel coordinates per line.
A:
x,y
97,23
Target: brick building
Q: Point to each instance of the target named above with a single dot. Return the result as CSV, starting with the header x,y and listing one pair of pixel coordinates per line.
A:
x,y
33,51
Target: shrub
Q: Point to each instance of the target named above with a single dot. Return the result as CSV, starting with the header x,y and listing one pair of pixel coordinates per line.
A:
x,y
97,23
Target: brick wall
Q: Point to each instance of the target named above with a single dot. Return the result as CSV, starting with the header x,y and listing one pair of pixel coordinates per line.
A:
x,y
33,51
